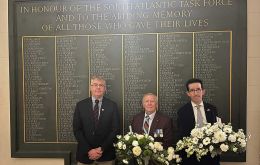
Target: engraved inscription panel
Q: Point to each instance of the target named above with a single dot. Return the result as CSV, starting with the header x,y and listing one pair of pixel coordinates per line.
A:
x,y
39,89
175,68
140,74
72,77
212,64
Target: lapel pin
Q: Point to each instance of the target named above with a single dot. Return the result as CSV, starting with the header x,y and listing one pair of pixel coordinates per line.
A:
x,y
208,110
102,109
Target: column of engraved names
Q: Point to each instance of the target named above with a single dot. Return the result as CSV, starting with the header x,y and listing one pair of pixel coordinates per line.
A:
x,y
105,60
175,68
39,89
72,78
140,71
212,63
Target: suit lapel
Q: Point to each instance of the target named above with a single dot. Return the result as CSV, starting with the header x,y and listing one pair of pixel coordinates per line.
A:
x,y
102,109
190,113
90,111
155,123
208,113
140,121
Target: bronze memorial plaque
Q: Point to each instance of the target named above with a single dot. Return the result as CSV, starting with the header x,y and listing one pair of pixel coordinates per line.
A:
x,y
138,46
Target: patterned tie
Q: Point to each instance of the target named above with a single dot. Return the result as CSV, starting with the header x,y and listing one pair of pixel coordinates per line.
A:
x,y
199,116
146,124
95,112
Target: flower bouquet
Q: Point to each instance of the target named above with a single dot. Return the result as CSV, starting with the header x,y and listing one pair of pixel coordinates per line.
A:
x,y
143,149
214,140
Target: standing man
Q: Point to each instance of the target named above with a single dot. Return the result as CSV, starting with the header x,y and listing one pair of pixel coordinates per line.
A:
x,y
196,112
153,122
95,126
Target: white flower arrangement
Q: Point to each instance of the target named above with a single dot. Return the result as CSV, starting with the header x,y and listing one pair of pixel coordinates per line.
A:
x,y
143,148
214,140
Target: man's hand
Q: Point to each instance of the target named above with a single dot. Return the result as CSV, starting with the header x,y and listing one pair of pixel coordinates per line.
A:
x,y
95,153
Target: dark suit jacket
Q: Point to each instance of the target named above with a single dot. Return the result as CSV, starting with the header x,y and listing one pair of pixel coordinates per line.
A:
x,y
186,122
160,121
103,136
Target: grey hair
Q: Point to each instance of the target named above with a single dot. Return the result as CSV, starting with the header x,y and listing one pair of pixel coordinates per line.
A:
x,y
150,94
100,78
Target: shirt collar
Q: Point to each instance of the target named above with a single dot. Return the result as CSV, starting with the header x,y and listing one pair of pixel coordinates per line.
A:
x,y
151,116
194,105
93,99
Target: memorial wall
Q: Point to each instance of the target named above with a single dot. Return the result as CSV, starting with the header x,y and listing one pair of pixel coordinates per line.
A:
x,y
137,46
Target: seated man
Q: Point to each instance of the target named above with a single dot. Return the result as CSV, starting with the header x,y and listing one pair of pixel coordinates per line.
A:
x,y
152,122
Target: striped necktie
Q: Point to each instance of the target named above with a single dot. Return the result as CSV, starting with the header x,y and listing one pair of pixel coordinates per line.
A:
x,y
146,124
95,113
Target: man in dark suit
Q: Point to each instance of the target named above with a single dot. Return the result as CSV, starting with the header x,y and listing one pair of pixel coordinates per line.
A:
x,y
95,126
195,112
158,125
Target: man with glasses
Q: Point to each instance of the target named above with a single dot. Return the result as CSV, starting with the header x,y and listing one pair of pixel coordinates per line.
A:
x,y
95,126
196,112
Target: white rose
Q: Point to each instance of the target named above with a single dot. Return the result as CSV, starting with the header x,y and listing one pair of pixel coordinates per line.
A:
x,y
170,150
242,143
206,141
235,149
126,137
239,139
151,145
120,145
135,143
180,144
232,138
125,161
124,146
197,132
178,160
176,156
137,150
241,134
169,157
140,137
190,150
158,146
220,136
215,128
224,147
227,128
214,140
151,138
195,140
209,132
119,136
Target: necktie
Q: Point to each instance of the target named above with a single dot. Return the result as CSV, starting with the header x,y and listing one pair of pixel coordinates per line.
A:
x,y
199,116
146,124
95,112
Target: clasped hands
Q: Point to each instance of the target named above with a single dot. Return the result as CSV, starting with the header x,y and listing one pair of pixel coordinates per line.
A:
x,y
95,153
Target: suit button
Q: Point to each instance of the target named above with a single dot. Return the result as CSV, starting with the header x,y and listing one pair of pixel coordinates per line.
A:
x,y
93,133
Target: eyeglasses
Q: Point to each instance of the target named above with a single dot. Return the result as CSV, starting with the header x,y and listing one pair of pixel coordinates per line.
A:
x,y
98,85
195,90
